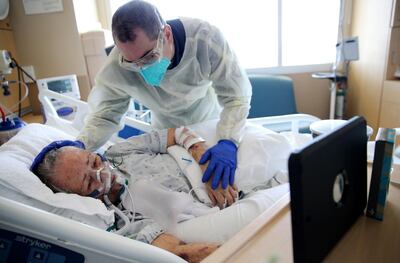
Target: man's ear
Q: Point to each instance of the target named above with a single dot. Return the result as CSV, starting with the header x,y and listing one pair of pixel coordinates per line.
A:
x,y
168,33
169,42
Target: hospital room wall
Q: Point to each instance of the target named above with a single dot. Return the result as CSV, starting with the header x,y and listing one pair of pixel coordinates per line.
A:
x,y
312,95
368,82
50,42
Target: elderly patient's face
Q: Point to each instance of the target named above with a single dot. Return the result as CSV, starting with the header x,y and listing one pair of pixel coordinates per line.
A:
x,y
75,171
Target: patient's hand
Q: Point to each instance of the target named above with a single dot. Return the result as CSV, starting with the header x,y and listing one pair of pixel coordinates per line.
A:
x,y
194,252
222,197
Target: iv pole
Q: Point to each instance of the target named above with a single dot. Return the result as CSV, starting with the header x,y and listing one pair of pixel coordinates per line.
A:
x,y
346,50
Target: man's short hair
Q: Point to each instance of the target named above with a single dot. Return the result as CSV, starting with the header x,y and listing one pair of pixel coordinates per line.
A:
x,y
136,14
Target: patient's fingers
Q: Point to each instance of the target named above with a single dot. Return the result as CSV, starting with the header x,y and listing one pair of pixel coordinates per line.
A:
x,y
220,199
230,199
210,193
233,191
234,187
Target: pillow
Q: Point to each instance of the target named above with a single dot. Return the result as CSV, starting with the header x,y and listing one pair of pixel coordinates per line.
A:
x,y
18,183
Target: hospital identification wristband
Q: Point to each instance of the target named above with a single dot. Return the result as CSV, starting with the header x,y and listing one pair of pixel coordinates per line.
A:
x,y
186,137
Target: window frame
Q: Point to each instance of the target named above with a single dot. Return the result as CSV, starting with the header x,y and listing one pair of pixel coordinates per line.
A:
x,y
105,19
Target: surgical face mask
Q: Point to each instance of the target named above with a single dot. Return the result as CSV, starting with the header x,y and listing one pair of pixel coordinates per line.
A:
x,y
154,74
104,176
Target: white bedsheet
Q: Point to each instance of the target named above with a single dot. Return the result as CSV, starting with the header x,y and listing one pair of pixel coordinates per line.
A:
x,y
220,226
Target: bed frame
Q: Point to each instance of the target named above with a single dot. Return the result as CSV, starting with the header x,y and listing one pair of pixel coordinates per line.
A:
x,y
101,246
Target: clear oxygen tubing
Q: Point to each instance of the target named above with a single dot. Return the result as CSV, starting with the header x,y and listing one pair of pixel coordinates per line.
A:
x,y
127,222
106,186
121,180
10,110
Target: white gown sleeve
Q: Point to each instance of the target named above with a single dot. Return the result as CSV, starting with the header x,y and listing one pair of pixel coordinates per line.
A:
x,y
232,87
107,107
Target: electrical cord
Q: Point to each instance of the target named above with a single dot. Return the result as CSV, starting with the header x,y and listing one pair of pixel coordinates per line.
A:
x,y
12,108
24,71
21,81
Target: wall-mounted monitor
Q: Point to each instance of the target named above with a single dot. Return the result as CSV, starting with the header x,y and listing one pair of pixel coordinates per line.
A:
x,y
66,85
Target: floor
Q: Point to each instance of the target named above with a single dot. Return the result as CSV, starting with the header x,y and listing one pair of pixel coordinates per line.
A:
x,y
30,118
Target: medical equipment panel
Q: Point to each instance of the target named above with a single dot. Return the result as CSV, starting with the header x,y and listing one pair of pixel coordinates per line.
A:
x,y
67,85
15,247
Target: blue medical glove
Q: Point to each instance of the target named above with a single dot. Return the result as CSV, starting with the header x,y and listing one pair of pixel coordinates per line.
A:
x,y
222,157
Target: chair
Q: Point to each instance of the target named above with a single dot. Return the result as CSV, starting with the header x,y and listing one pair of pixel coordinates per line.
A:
x,y
272,96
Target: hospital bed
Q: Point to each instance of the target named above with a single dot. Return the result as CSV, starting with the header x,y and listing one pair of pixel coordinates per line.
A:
x,y
51,237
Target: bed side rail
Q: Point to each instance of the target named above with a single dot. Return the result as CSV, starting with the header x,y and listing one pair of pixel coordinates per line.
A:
x,y
81,110
291,122
96,245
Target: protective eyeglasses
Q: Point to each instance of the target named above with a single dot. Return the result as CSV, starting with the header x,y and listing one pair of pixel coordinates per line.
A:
x,y
148,59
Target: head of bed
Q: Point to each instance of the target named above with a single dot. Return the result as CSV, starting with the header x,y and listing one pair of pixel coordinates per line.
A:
x,y
31,212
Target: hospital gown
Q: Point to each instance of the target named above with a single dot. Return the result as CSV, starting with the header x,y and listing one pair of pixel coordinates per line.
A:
x,y
145,157
207,77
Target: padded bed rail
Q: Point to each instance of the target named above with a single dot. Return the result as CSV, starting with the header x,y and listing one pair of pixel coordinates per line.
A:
x,y
52,234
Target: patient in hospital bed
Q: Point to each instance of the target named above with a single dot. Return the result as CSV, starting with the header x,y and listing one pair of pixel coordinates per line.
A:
x,y
155,178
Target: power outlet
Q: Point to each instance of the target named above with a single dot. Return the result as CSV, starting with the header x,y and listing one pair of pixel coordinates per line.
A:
x,y
31,71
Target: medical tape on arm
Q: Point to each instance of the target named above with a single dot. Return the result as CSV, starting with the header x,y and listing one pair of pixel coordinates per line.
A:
x,y
186,137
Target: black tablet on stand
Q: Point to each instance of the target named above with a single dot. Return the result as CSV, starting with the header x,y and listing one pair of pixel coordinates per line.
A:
x,y
328,187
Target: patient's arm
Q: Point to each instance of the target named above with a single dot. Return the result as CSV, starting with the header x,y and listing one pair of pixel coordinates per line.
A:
x,y
194,252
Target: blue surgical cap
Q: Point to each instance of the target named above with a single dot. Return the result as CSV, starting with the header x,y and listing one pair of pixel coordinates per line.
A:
x,y
54,145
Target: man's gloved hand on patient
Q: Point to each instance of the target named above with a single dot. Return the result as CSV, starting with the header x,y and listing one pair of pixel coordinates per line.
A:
x,y
222,159
221,189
